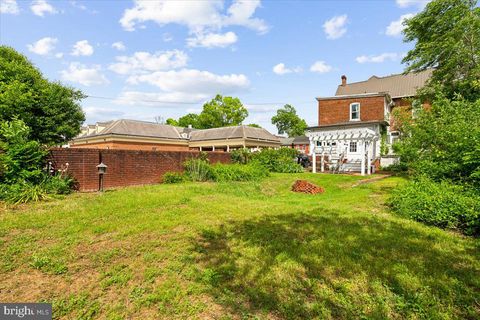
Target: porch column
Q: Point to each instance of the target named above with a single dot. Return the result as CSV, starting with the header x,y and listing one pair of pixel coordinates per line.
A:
x,y
314,162
200,148
369,165
228,148
362,153
322,168
213,148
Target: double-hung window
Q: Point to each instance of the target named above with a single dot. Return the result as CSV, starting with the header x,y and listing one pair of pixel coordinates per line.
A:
x,y
355,111
353,146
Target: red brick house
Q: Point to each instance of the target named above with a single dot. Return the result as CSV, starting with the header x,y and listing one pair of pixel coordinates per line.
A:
x,y
356,124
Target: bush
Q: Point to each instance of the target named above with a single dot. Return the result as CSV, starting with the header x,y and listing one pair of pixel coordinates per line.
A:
x,y
242,156
441,204
23,192
173,177
59,184
278,160
238,172
198,170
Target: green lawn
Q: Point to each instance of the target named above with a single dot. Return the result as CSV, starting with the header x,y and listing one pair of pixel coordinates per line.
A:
x,y
237,250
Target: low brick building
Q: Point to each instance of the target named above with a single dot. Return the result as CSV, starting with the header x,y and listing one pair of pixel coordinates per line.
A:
x,y
149,136
356,124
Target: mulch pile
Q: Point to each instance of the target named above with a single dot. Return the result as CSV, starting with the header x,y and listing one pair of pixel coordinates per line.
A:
x,y
306,187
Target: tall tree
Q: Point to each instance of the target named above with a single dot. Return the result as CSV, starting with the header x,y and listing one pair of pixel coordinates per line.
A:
x,y
447,37
190,119
287,121
222,112
51,111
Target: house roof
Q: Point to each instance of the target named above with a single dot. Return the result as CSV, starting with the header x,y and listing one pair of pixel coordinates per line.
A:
x,y
397,85
286,141
139,128
236,132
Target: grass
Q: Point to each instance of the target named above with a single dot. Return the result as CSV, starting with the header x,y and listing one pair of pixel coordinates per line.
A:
x,y
251,250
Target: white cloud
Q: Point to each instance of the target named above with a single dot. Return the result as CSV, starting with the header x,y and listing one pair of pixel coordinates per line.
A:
x,y
40,7
82,48
193,81
211,40
335,27
282,69
167,37
196,15
143,62
320,67
84,75
396,27
160,99
59,55
43,46
119,46
261,108
409,3
9,7
378,59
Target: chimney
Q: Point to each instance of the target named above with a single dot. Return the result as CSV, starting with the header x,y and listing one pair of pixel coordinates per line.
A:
x,y
344,80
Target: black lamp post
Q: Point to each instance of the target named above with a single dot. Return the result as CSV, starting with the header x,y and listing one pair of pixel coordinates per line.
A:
x,y
102,169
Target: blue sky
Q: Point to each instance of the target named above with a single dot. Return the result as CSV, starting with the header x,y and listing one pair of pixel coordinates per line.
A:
x,y
166,58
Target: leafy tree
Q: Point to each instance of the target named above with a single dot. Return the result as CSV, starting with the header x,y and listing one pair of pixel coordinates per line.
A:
x,y
222,112
21,159
287,121
254,125
51,110
189,119
444,142
171,122
447,37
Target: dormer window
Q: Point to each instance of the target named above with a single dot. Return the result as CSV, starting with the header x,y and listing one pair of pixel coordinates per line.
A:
x,y
355,111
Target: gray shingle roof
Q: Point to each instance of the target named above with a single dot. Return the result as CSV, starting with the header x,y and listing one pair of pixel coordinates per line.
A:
x,y
397,85
140,128
233,133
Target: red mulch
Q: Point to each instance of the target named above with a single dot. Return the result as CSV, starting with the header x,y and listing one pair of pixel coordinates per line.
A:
x,y
306,187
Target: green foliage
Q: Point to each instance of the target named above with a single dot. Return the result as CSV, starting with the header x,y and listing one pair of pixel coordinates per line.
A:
x,y
447,37
21,159
287,121
242,155
238,172
444,142
384,149
254,125
51,110
219,112
441,204
173,177
23,192
189,119
198,170
58,184
281,160
222,112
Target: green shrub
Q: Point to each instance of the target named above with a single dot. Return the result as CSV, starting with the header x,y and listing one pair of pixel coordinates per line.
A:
x,y
441,204
278,160
198,170
23,192
59,184
238,172
173,177
242,156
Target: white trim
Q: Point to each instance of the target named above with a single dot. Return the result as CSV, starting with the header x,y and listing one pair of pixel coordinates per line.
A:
x,y
358,111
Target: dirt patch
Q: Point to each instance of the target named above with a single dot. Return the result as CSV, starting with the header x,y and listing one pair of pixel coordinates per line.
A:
x,y
306,187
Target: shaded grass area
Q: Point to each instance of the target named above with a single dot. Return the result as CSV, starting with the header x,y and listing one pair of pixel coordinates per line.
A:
x,y
234,251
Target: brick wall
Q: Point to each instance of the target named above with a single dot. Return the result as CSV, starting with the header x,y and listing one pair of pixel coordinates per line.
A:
x,y
125,167
338,110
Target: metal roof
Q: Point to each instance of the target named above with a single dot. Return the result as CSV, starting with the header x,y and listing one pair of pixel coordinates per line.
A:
x,y
397,85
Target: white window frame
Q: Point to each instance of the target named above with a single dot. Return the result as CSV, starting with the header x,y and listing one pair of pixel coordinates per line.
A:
x,y
352,143
358,111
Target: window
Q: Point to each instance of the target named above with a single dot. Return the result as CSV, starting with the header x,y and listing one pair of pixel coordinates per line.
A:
x,y
355,111
353,146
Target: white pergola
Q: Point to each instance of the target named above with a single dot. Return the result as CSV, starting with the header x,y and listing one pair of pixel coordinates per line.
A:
x,y
363,136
